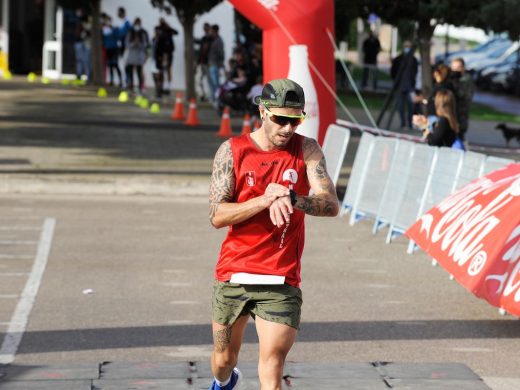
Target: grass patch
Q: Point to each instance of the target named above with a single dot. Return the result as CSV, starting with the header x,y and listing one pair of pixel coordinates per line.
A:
x,y
374,102
486,113
478,111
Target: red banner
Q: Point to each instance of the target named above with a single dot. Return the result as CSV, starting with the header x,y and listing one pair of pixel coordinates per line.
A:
x,y
475,235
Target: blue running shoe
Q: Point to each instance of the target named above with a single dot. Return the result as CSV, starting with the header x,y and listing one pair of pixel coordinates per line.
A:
x,y
236,376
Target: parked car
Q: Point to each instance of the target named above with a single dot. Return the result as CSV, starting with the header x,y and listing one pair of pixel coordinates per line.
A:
x,y
484,77
481,48
506,81
509,56
490,57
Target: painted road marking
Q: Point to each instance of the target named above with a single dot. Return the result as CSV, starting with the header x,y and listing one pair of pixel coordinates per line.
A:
x,y
173,284
175,271
17,242
191,351
18,228
13,273
3,256
472,349
20,317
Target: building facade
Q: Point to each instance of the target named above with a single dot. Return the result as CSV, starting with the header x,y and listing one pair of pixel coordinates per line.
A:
x,y
38,35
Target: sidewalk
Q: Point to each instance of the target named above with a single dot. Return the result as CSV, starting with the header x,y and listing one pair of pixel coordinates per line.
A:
x,y
59,139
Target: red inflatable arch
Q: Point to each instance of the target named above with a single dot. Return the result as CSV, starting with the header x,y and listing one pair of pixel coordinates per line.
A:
x,y
286,23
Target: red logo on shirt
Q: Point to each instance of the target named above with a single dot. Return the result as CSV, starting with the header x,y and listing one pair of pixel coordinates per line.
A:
x,y
250,178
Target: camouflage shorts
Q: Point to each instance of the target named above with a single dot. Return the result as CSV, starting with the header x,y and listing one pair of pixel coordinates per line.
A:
x,y
275,303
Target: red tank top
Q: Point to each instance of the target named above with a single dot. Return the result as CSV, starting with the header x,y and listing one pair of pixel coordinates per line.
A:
x,y
256,245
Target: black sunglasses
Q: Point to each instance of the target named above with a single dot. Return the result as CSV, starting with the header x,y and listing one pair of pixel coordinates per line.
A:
x,y
282,120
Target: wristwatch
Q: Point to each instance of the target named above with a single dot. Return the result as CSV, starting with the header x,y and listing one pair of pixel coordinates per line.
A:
x,y
292,194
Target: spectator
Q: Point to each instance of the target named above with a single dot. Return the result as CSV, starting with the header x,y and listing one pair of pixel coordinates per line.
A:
x,y
215,60
168,47
158,61
122,29
202,61
464,90
371,48
82,44
441,80
110,44
446,129
136,44
238,82
404,72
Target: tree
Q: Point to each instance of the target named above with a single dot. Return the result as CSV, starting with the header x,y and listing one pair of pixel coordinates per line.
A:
x,y
187,12
425,15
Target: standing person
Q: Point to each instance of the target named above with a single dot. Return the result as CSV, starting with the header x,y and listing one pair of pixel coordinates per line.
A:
x,y
464,89
202,61
82,45
371,48
446,129
215,60
404,72
259,190
168,46
158,61
122,29
110,44
137,44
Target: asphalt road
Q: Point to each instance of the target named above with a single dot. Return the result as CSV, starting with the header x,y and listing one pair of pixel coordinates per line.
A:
x,y
130,278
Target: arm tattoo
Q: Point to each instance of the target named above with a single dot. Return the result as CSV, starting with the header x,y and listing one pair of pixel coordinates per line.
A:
x,y
222,184
222,339
325,202
310,146
317,205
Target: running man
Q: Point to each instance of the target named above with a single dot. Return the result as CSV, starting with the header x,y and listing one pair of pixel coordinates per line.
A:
x,y
259,189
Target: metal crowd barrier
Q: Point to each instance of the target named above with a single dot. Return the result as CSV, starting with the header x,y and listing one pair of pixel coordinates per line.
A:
x,y
395,181
334,149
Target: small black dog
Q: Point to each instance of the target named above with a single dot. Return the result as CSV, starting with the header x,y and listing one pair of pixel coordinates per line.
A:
x,y
508,132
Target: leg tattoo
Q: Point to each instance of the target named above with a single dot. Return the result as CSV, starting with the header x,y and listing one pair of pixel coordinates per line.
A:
x,y
222,338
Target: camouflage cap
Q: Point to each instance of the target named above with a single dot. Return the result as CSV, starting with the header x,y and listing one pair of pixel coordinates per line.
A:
x,y
281,93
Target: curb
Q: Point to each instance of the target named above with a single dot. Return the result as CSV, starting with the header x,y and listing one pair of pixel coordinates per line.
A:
x,y
80,185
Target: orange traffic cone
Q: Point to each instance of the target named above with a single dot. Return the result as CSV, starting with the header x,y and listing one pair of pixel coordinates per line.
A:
x,y
225,124
257,125
193,119
178,110
246,124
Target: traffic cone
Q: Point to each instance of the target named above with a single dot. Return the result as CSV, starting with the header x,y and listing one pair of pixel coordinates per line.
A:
x,y
102,93
225,124
31,77
246,125
138,100
155,108
45,80
193,119
7,75
123,97
178,111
